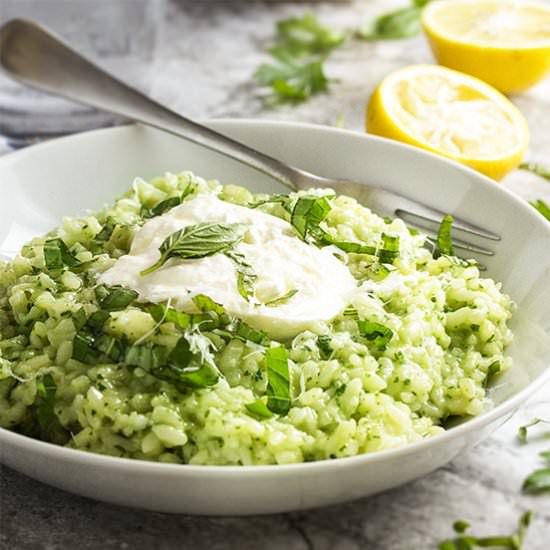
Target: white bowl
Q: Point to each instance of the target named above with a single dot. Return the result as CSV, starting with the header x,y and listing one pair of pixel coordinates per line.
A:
x,y
41,184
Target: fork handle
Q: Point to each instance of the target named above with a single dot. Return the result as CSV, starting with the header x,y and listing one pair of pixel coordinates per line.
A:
x,y
38,58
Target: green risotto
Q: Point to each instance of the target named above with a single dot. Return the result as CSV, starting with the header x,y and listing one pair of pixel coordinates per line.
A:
x,y
97,367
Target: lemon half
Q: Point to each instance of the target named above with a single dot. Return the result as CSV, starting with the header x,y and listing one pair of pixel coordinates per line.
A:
x,y
450,113
504,42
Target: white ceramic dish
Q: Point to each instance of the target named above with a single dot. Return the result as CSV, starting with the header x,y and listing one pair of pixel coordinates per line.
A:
x,y
41,184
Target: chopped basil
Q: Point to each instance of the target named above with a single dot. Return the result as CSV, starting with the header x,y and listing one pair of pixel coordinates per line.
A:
x,y
401,23
49,427
205,304
390,248
198,241
376,333
79,318
308,213
278,387
323,343
465,541
246,277
115,298
161,313
57,256
83,346
168,204
299,53
282,299
386,253
351,312
444,239
246,332
145,357
259,408
538,481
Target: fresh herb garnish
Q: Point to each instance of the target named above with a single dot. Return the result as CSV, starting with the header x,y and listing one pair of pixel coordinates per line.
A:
x,y
466,541
538,481
49,426
307,214
162,313
168,204
57,256
444,238
246,277
282,299
115,298
259,408
245,332
376,333
323,343
542,207
300,49
401,23
536,168
198,241
278,387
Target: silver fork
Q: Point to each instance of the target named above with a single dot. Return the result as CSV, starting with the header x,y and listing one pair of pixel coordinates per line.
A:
x,y
38,58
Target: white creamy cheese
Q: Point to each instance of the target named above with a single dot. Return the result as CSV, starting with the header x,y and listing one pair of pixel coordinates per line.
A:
x,y
281,261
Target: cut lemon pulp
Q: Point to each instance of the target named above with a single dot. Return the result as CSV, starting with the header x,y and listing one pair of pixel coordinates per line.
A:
x,y
504,42
452,114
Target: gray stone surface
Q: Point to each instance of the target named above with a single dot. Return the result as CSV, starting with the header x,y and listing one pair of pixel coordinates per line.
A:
x,y
204,58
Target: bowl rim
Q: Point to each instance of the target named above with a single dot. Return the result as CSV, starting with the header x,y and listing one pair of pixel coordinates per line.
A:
x,y
67,454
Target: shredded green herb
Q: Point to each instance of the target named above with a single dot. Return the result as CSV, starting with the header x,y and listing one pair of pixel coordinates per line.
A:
x,y
278,387
538,481
400,23
246,277
57,256
168,204
522,430
259,408
465,541
198,241
325,348
49,426
376,333
300,49
444,238
115,298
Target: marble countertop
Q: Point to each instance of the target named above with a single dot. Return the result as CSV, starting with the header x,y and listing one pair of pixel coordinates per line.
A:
x,y
204,58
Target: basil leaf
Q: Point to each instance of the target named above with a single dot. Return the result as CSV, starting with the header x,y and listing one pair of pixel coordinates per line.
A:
x,y
447,545
308,213
444,239
50,427
284,200
183,368
292,80
538,481
306,36
278,387
401,23
79,318
379,334
246,332
537,169
168,204
205,304
161,313
97,320
198,241
110,346
542,207
323,343
282,299
115,298
259,408
246,277
57,256
390,248
545,455
145,357
461,526
83,346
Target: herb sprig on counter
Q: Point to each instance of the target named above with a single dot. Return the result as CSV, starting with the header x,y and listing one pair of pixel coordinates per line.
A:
x,y
300,49
465,541
536,169
400,23
542,207
539,480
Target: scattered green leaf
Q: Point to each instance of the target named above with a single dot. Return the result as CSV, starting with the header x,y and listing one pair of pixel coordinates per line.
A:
x,y
282,299
538,481
376,333
246,276
542,207
259,408
444,240
116,298
401,23
522,430
57,256
278,387
198,241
